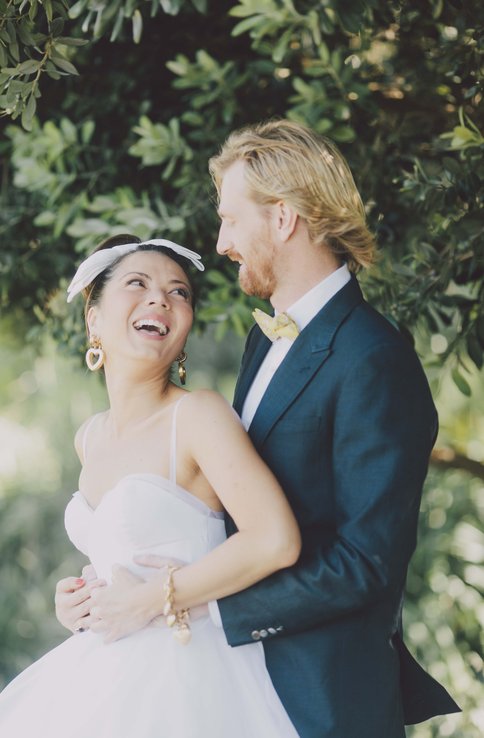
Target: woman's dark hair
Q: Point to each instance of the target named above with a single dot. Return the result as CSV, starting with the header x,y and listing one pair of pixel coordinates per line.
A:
x,y
92,293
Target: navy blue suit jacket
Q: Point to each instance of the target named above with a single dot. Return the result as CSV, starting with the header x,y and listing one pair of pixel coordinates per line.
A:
x,y
347,425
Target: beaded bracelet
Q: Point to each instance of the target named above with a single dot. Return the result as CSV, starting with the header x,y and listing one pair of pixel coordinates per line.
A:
x,y
179,619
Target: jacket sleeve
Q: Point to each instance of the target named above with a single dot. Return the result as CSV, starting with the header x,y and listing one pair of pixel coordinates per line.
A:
x,y
384,426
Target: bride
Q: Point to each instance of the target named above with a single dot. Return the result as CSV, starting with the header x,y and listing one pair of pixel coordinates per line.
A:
x,y
158,470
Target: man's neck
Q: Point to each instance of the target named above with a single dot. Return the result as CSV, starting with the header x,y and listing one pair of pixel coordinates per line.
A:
x,y
298,282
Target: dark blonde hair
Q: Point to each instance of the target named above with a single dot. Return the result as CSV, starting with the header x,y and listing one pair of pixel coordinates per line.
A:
x,y
287,161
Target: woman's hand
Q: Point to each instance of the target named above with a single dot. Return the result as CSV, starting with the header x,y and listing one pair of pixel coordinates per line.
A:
x,y
73,599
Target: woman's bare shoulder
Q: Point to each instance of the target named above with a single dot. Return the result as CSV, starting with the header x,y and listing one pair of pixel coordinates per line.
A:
x,y
80,434
203,399
205,406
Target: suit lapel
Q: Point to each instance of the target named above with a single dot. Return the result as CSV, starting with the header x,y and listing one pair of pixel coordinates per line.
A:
x,y
257,347
306,356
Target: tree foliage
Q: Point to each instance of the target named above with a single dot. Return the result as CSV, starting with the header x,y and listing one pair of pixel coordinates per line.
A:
x,y
117,106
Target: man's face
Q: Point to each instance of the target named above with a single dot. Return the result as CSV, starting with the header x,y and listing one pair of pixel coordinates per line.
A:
x,y
245,234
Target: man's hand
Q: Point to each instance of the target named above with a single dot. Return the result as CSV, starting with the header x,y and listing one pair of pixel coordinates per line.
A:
x,y
73,599
153,561
128,604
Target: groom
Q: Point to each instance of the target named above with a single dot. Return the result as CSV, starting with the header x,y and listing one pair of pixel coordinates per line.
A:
x,y
344,417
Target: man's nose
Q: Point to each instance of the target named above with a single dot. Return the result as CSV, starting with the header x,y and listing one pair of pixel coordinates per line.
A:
x,y
223,245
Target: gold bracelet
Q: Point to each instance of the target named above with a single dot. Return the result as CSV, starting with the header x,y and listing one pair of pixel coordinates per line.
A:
x,y
179,619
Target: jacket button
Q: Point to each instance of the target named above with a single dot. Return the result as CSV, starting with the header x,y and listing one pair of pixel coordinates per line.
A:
x,y
255,635
280,628
272,631
264,633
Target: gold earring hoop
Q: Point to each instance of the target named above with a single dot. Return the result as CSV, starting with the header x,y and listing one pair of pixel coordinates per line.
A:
x,y
95,354
182,372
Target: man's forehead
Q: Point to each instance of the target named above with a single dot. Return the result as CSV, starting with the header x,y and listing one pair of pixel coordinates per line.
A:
x,y
233,184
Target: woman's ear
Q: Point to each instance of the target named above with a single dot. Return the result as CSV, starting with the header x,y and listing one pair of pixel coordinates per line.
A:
x,y
91,320
286,220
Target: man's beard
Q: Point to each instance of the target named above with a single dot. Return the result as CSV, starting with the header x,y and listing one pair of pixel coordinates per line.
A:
x,y
259,280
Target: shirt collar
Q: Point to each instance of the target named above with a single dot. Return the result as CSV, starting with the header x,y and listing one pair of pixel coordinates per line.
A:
x,y
309,305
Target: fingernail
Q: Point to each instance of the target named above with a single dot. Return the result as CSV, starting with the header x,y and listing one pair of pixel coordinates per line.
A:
x,y
80,581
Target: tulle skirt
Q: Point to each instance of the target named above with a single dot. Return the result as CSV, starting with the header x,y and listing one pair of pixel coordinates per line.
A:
x,y
146,686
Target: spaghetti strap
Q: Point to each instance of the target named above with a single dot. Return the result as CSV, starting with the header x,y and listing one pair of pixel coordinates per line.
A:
x,y
84,436
173,442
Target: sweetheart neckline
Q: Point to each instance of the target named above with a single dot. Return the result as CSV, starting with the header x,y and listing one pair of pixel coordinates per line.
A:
x,y
198,503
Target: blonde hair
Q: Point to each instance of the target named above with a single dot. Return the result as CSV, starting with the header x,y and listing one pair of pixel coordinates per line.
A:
x,y
287,161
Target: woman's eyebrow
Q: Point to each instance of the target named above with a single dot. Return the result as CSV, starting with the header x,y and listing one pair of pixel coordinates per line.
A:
x,y
140,274
147,276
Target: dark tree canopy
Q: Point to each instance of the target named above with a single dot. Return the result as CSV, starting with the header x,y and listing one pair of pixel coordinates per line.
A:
x,y
112,109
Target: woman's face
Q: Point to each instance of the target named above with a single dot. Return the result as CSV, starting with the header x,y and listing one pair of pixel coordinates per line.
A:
x,y
145,310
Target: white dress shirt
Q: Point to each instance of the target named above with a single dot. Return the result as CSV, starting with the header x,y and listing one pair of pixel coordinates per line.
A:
x,y
302,312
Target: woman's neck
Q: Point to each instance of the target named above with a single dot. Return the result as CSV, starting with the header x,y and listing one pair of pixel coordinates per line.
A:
x,y
134,400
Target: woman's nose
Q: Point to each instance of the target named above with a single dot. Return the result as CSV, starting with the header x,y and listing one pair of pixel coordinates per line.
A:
x,y
158,297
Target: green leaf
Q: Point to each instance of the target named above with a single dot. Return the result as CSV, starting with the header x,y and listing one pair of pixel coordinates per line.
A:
x,y
343,134
33,10
65,65
56,27
437,8
98,24
45,219
282,45
451,165
77,9
48,9
461,383
118,24
71,41
475,350
171,7
200,5
14,50
25,35
87,130
137,26
245,25
28,67
28,113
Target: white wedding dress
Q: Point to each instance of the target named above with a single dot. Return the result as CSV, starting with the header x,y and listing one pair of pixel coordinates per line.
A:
x,y
146,685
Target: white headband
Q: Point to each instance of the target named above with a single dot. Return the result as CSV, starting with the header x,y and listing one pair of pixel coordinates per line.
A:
x,y
101,260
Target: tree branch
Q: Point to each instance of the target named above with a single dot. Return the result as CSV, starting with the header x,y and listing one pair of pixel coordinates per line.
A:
x,y
448,458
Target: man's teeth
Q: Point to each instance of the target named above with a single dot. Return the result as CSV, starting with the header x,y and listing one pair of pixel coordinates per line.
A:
x,y
161,327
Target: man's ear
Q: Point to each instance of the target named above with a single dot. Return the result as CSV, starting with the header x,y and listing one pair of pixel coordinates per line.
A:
x,y
285,219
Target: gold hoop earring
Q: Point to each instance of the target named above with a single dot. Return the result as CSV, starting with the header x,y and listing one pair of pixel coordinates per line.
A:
x,y
182,372
94,354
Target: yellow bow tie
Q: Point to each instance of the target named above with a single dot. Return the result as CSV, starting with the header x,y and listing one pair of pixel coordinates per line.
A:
x,y
279,326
